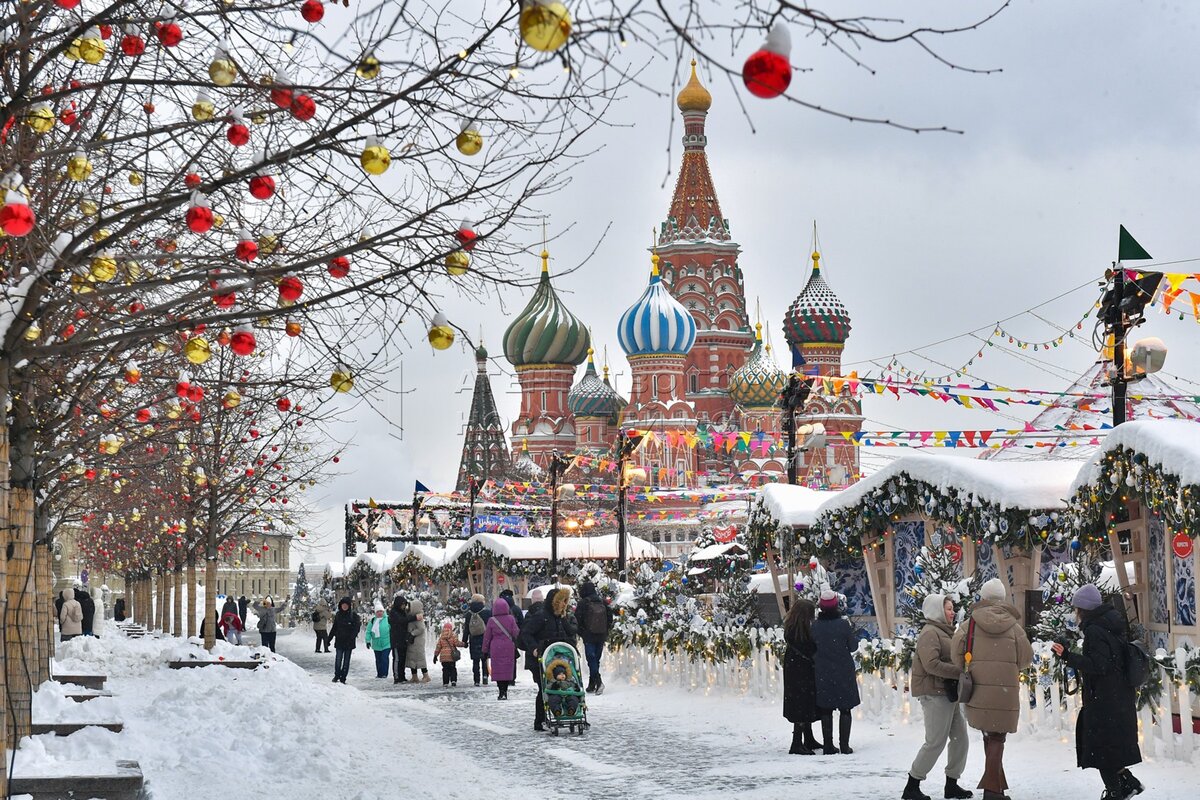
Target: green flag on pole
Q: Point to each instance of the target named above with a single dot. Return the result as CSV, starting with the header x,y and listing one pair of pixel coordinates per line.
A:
x,y
1129,250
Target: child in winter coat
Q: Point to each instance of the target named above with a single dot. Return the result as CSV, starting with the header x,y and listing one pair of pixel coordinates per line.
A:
x,y
231,626
379,640
445,652
415,656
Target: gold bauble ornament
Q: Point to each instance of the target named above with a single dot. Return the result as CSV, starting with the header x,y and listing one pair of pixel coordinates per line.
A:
x,y
375,159
33,332
368,68
231,399
40,118
203,110
72,51
79,168
258,118
197,350
88,207
441,335
267,244
222,71
469,142
133,270
135,179
218,221
545,26
92,47
101,234
341,380
103,268
161,347
458,263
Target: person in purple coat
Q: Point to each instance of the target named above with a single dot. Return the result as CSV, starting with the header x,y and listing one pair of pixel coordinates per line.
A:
x,y
500,645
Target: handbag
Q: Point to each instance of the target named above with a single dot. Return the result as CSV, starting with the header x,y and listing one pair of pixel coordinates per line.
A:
x,y
966,684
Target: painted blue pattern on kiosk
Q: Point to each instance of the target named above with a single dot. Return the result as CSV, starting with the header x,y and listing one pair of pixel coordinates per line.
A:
x,y
1158,571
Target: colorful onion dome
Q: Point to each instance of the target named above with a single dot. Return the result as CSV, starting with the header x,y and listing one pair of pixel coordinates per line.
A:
x,y
694,97
481,353
758,383
593,396
546,332
657,323
817,316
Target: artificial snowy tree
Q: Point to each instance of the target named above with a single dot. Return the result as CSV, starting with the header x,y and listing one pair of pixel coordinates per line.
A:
x,y
302,603
1057,618
737,605
939,571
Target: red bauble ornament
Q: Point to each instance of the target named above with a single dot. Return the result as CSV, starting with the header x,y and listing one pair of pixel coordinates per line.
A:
x,y
767,72
339,267
242,342
67,4
68,116
105,32
143,415
466,237
191,180
283,404
199,219
303,107
238,134
246,250
136,307
225,299
262,186
195,394
290,288
312,10
336,459
282,97
89,474
16,218
169,34
181,388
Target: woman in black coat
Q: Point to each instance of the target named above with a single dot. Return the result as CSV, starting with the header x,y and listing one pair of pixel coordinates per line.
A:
x,y
533,618
552,623
799,680
837,683
1106,731
398,619
344,631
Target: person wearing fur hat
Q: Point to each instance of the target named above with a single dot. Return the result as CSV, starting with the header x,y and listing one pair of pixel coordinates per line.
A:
x,y
415,658
379,640
833,666
999,650
1106,735
935,685
474,626
445,652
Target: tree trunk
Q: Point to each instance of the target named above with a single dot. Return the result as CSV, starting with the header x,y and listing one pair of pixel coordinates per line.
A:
x,y
160,608
168,579
177,602
4,738
44,580
19,629
210,607
191,596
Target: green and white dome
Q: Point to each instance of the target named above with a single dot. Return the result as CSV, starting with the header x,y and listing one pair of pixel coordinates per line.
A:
x,y
546,332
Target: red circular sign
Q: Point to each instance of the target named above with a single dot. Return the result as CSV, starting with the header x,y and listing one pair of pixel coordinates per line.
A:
x,y
500,578
1182,545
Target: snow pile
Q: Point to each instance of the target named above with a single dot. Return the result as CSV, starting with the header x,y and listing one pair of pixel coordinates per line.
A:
x,y
1033,485
51,704
793,505
1173,445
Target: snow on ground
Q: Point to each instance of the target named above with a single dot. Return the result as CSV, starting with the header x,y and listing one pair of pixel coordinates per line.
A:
x,y
286,731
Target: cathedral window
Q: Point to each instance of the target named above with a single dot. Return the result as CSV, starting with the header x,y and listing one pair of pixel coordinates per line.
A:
x,y
654,385
543,401
694,382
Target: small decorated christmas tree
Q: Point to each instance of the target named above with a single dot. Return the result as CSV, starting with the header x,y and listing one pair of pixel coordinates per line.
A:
x,y
737,605
302,602
939,571
1057,618
815,580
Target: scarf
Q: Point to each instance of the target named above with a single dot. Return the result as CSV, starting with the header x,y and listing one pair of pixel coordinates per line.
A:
x,y
375,626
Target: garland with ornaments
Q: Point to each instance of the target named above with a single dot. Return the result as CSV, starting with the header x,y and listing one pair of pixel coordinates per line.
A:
x,y
1126,475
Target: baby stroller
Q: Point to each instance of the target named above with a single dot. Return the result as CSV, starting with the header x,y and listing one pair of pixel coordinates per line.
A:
x,y
562,693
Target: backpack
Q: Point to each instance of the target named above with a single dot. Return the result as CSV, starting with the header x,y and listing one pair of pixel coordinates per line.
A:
x,y
475,624
595,618
1137,664
316,616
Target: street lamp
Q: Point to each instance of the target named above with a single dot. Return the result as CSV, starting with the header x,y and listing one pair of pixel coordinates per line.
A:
x,y
792,399
628,444
558,465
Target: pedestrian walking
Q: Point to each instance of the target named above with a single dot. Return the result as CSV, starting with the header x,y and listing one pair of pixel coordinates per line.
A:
x,y
344,630
1106,735
242,605
833,667
532,663
321,617
595,619
799,678
88,606
500,646
474,626
119,609
513,605
552,623
267,624
998,650
445,652
934,683
399,617
415,658
70,616
379,640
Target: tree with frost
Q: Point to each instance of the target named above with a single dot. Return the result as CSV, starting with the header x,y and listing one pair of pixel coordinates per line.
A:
x,y
938,570
1057,618
302,595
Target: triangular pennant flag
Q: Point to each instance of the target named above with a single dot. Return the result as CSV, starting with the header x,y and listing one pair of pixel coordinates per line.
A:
x,y
1129,250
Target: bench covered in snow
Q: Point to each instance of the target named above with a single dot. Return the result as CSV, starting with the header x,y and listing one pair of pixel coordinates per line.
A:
x,y
120,781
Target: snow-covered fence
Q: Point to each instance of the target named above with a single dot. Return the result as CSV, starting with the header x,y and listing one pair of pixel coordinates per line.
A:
x,y
1046,710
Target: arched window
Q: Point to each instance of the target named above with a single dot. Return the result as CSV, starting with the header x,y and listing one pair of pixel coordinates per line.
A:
x,y
654,385
694,382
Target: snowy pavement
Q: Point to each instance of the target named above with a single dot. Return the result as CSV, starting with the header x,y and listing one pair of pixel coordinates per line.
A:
x,y
287,731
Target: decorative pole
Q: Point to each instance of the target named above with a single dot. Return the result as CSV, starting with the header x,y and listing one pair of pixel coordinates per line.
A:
x,y
555,467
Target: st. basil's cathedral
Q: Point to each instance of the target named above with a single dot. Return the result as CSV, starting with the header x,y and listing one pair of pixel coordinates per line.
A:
x,y
703,380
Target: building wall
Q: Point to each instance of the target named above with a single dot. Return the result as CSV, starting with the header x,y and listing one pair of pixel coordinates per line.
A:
x,y
242,573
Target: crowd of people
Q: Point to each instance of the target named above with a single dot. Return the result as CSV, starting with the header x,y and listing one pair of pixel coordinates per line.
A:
x,y
974,667
496,637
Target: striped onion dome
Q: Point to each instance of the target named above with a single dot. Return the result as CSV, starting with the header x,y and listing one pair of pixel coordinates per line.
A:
x,y
546,332
758,383
656,323
817,316
593,396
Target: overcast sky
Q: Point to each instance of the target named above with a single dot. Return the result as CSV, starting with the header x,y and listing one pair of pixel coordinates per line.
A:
x,y
1092,123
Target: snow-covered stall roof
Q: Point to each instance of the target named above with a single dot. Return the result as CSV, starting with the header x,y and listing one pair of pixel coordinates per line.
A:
x,y
1031,485
338,569
793,505
531,548
1172,445
761,583
717,551
378,563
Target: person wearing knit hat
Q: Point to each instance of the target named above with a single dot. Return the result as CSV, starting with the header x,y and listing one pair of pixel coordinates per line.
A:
x,y
445,652
994,647
833,667
934,683
1106,734
474,626
379,640
399,618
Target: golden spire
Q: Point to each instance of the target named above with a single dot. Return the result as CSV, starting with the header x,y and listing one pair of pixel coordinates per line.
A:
x,y
591,360
694,96
545,261
758,331
816,257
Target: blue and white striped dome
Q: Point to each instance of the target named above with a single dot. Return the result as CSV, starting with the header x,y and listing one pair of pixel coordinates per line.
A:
x,y
657,322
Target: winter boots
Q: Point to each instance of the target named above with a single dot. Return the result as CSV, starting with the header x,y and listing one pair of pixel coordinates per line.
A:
x,y
844,720
591,687
799,746
827,735
956,792
912,790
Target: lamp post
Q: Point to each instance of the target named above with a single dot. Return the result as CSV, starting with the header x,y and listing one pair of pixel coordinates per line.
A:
x,y
792,398
626,447
557,465
472,493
